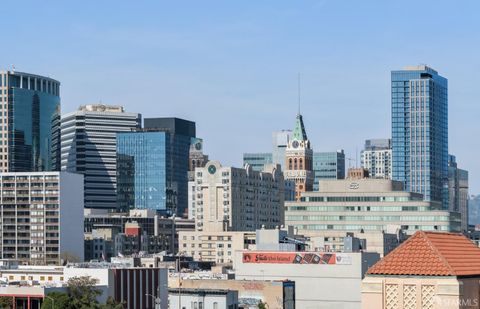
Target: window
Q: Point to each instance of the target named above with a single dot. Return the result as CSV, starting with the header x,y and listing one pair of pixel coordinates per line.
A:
x,y
215,305
50,278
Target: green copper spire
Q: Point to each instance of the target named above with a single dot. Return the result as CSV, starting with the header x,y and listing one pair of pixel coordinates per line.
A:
x,y
299,133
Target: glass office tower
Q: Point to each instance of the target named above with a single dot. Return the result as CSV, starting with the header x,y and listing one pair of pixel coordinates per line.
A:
x,y
420,132
257,160
152,166
30,109
328,165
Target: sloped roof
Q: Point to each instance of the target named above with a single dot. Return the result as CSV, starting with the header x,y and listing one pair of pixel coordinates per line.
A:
x,y
431,254
299,132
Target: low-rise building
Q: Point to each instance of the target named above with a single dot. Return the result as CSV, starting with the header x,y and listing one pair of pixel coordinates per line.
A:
x,y
322,280
107,234
430,270
203,298
278,294
217,247
29,285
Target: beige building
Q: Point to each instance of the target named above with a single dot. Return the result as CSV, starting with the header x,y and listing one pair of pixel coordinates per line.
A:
x,y
216,247
230,204
430,270
238,199
278,294
366,205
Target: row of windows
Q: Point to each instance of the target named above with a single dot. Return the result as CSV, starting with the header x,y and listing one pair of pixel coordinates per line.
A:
x,y
337,208
369,218
359,199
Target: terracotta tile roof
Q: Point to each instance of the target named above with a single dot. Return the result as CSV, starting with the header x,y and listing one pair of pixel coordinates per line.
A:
x,y
431,254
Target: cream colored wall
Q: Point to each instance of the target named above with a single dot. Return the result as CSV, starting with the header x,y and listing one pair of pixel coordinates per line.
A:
x,y
270,292
208,250
411,292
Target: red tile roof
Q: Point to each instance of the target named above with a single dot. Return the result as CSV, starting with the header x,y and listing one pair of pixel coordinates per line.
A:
x,y
431,254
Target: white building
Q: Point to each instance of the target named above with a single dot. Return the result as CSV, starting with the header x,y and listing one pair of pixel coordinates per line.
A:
x,y
42,217
203,298
377,158
322,280
88,147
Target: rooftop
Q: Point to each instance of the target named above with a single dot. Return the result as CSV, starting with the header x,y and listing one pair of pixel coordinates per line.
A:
x,y
431,254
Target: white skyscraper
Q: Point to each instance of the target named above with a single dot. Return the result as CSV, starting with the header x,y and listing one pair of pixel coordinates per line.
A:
x,y
88,147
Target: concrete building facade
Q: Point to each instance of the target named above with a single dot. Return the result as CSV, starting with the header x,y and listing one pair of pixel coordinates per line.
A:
x,y
42,217
355,205
322,280
376,157
238,199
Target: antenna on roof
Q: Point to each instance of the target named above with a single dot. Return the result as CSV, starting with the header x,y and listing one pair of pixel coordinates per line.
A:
x,y
299,89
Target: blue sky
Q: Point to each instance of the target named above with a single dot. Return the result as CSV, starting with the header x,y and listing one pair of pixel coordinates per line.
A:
x,y
232,66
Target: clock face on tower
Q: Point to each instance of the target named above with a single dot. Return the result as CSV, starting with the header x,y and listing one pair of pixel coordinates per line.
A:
x,y
295,144
212,169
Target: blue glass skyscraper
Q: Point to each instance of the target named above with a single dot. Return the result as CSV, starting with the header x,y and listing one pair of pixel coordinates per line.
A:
x,y
152,166
420,132
29,122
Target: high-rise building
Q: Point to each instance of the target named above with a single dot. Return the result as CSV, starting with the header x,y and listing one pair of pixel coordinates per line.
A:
x,y
280,143
42,217
474,210
88,147
298,159
376,157
420,132
238,199
30,107
458,190
257,160
328,165
153,166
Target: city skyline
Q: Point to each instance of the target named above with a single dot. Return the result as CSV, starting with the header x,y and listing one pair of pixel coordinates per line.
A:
x,y
249,56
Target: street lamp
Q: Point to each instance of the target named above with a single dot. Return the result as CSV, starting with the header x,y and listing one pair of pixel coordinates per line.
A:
x,y
155,299
53,301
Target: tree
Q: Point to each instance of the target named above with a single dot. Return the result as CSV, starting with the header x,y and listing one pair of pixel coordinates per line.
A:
x,y
6,302
262,305
112,304
83,292
61,300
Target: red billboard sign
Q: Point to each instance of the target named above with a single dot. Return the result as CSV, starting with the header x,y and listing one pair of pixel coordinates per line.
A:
x,y
289,258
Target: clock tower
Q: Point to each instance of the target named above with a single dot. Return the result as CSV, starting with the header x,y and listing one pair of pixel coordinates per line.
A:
x,y
299,156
